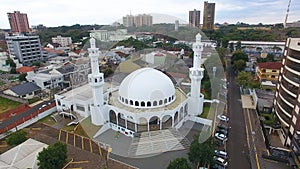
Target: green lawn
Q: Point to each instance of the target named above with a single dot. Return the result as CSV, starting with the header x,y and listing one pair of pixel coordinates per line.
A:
x,y
6,104
33,100
48,120
206,109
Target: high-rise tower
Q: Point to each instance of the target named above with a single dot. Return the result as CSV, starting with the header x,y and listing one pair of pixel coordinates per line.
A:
x,y
208,15
18,22
194,18
287,95
196,75
96,81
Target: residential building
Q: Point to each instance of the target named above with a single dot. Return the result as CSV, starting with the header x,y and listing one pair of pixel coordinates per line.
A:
x,y
128,21
268,73
18,22
110,36
287,96
143,20
194,18
259,46
138,20
46,79
25,48
176,25
26,90
62,41
208,16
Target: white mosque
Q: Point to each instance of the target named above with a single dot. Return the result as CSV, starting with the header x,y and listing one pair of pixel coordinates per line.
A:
x,y
146,99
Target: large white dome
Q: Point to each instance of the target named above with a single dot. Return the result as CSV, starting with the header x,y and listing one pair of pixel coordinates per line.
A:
x,y
145,88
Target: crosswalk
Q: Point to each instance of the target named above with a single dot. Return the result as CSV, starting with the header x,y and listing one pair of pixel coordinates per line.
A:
x,y
157,142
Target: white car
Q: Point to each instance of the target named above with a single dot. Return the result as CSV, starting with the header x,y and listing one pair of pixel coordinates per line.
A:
x,y
221,153
223,118
221,161
221,137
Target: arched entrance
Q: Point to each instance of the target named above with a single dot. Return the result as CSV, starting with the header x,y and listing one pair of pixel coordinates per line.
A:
x,y
167,122
154,123
112,117
121,120
176,118
142,125
185,109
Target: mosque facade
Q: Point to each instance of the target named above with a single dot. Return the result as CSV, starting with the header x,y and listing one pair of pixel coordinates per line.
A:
x,y
146,99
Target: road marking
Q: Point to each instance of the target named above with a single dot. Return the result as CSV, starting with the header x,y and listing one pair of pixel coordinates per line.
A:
x,y
99,150
82,144
91,148
74,140
79,162
67,137
59,135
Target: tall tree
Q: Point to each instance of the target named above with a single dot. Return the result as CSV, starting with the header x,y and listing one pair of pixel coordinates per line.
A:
x,y
17,137
179,163
53,157
201,154
239,65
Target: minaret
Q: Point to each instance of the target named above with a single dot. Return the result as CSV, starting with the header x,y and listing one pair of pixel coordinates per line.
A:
x,y
196,99
96,81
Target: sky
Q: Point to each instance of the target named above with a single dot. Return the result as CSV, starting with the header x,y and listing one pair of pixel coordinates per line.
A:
x,y
69,12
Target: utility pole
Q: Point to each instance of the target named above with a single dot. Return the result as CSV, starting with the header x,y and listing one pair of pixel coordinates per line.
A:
x,y
287,14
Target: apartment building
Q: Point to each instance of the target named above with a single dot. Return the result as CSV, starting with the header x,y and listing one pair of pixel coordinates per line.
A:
x,y
62,41
287,96
208,15
25,48
194,18
18,22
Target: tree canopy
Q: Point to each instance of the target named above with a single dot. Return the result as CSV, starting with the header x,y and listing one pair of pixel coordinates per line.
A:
x,y
237,55
53,157
246,80
239,64
179,163
17,137
201,154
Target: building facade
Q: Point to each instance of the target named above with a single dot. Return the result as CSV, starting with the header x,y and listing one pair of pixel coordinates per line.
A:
x,y
287,96
267,73
128,21
63,41
208,16
27,49
18,22
137,104
194,18
138,20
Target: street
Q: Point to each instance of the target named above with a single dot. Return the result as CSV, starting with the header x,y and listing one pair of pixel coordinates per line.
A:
x,y
237,140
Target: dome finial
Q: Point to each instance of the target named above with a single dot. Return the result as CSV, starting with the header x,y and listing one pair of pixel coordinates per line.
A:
x,y
198,37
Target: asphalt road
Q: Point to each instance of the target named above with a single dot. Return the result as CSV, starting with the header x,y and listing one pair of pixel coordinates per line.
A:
x,y
22,115
237,140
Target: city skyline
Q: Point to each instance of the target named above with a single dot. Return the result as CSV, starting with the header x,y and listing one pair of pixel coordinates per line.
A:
x,y
59,13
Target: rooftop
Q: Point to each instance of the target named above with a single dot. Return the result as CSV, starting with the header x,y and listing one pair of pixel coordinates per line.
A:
x,y
180,97
25,88
270,65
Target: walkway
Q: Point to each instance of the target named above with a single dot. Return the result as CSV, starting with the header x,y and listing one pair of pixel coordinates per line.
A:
x,y
157,142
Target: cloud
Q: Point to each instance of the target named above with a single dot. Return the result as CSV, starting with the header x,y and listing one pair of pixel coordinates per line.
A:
x,y
65,12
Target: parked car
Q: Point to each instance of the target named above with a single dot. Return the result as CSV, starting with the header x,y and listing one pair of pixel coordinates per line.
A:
x,y
221,153
223,118
217,166
223,131
221,137
221,161
223,126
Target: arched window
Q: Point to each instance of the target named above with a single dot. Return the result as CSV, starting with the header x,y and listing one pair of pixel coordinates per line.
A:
x,y
160,102
169,99
136,103
131,102
166,100
155,103
122,99
143,104
148,104
126,101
